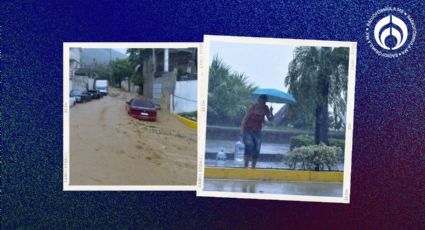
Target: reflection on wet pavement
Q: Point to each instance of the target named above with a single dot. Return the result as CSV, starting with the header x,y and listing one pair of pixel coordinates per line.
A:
x,y
275,187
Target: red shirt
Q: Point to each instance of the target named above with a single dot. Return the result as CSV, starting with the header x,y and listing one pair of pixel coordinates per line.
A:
x,y
254,120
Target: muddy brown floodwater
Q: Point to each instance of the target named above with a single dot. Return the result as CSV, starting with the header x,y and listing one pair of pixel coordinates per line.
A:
x,y
108,147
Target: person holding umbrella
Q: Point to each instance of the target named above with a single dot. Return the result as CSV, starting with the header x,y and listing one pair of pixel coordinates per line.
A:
x,y
251,126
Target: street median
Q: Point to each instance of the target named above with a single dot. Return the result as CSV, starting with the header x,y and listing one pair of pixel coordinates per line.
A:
x,y
273,174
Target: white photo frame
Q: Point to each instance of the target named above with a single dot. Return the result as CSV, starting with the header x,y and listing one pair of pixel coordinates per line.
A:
x,y
202,116
66,116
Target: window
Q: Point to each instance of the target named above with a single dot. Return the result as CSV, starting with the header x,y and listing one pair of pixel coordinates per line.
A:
x,y
143,103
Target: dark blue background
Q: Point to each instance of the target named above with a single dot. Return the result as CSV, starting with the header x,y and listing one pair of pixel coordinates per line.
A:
x,y
388,164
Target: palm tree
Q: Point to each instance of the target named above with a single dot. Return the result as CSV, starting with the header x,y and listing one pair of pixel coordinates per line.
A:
x,y
228,95
317,77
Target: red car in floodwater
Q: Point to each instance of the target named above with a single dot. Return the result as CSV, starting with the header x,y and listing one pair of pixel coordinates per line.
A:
x,y
142,109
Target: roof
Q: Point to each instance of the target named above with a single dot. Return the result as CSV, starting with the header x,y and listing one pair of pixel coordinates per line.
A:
x,y
177,50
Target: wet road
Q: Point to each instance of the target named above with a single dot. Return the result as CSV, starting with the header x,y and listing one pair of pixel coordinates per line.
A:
x,y
108,147
214,146
260,164
275,187
240,164
229,147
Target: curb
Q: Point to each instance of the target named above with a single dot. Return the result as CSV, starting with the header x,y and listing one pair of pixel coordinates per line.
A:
x,y
273,174
190,123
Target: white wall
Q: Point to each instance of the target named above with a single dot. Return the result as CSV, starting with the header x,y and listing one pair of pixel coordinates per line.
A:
x,y
185,96
80,82
90,84
74,60
75,53
133,88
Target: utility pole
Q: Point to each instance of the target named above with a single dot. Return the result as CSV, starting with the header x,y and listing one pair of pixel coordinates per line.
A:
x,y
110,67
128,79
153,60
166,60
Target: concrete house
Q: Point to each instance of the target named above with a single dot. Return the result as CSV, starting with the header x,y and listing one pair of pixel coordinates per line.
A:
x,y
74,60
74,65
164,70
78,81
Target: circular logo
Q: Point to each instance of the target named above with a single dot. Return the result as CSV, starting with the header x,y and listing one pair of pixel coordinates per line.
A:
x,y
390,32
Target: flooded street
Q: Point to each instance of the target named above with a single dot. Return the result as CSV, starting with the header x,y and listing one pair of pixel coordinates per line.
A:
x,y
108,147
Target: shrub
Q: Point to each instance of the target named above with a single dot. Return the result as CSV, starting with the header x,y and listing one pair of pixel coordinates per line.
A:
x,y
301,140
180,71
137,78
338,143
313,157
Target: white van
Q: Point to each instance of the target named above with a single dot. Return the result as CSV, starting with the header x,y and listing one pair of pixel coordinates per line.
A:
x,y
102,86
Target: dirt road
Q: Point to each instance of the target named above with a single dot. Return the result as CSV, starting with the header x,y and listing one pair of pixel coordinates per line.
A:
x,y
108,147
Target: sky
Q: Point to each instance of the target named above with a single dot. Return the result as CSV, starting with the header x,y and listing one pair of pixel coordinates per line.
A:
x,y
265,65
121,50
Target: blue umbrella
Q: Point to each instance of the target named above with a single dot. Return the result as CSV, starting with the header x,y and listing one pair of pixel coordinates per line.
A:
x,y
275,95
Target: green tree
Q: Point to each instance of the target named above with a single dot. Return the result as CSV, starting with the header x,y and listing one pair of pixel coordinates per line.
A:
x,y
317,78
120,70
228,95
101,71
137,79
136,57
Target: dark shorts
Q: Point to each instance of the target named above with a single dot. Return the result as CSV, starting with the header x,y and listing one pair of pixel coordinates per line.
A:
x,y
252,143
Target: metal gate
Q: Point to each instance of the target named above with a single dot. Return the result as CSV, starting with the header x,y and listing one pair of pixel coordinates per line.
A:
x,y
156,92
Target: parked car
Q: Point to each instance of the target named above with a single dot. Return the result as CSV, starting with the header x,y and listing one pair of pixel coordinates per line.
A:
x,y
142,109
95,94
72,101
80,95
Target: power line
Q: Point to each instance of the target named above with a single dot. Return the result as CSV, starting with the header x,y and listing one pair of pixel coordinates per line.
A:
x,y
187,99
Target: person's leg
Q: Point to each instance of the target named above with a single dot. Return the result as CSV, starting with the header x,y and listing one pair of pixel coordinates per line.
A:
x,y
249,147
256,151
254,162
246,159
